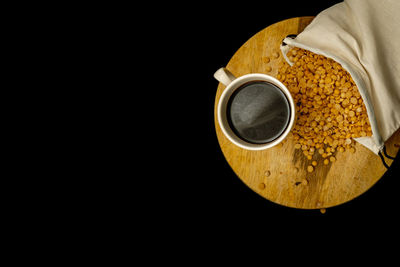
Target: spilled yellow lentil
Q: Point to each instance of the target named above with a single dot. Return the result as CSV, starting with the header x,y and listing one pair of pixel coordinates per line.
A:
x,y
329,107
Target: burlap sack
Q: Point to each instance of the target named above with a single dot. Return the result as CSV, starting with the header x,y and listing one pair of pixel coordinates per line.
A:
x,y
364,37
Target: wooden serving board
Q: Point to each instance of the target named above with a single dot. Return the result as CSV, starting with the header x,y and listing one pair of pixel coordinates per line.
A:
x,y
279,174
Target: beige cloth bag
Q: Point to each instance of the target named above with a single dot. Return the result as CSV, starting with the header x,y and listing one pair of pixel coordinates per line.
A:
x,y
364,37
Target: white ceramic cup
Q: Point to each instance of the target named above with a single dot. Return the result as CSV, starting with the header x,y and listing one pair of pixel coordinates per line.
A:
x,y
232,83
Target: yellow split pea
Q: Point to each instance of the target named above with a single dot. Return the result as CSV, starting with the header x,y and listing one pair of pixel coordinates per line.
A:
x,y
310,168
329,106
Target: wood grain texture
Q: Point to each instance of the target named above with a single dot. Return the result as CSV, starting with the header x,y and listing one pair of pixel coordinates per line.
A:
x,y
279,174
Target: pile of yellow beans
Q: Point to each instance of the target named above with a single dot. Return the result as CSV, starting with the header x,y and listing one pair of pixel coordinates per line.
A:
x,y
329,107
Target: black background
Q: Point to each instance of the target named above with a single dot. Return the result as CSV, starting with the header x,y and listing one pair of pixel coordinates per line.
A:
x,y
207,191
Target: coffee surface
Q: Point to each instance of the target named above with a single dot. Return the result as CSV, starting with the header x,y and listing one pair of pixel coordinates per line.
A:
x,y
258,112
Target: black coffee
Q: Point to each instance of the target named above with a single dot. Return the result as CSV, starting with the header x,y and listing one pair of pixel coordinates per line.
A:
x,y
258,112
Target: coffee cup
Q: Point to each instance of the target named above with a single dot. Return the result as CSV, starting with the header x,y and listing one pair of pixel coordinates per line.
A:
x,y
255,111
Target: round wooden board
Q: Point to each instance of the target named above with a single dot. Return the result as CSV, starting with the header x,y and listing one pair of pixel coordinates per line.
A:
x,y
277,173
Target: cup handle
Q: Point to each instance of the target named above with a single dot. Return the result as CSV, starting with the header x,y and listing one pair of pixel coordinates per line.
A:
x,y
224,76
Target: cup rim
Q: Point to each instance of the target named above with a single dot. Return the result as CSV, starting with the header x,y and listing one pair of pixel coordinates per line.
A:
x,y
236,84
